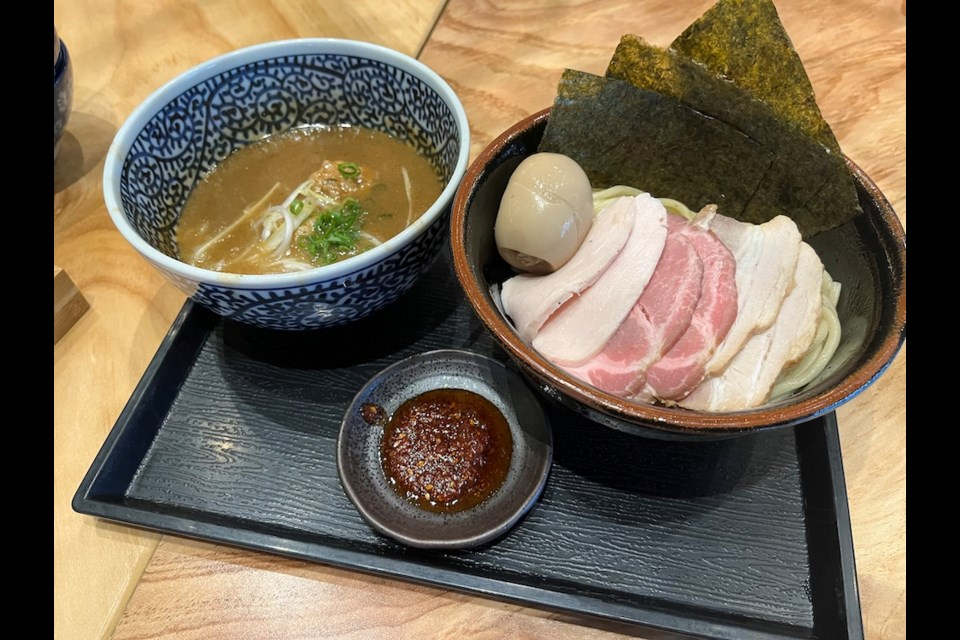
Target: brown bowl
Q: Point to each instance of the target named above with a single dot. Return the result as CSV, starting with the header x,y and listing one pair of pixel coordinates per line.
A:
x,y
866,255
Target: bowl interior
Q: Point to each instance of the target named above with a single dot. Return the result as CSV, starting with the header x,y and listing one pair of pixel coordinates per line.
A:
x,y
202,124
867,256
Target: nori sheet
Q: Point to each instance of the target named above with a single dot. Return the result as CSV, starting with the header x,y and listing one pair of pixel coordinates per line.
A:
x,y
807,179
737,68
621,134
744,42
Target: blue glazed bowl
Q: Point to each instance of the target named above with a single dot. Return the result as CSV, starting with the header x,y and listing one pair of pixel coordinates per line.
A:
x,y
193,122
62,90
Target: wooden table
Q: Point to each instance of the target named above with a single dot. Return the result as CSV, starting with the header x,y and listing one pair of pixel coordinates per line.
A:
x,y
503,58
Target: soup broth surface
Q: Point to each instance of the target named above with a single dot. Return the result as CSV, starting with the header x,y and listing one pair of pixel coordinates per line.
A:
x,y
245,216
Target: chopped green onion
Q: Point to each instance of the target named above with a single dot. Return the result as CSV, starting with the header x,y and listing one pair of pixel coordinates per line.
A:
x,y
296,207
335,232
349,170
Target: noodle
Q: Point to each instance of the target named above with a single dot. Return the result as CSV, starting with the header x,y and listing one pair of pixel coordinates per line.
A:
x,y
248,213
603,197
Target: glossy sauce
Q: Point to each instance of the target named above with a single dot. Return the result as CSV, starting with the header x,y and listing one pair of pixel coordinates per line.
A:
x,y
446,450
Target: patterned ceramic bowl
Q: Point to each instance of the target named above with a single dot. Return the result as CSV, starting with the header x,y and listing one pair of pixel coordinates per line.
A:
x,y
193,122
62,90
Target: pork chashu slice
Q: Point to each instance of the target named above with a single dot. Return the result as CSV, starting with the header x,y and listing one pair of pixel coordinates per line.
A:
x,y
751,373
581,328
529,300
683,366
766,257
655,323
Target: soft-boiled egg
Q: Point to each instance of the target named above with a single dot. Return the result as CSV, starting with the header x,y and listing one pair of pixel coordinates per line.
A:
x,y
545,213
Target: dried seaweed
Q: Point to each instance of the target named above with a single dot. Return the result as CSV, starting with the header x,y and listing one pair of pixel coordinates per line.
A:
x,y
731,85
594,120
807,179
744,42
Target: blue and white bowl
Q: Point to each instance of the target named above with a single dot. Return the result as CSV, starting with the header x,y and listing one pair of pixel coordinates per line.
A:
x,y
62,90
193,122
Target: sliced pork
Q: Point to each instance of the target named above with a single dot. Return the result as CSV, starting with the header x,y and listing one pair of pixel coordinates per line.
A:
x,y
751,373
766,257
703,314
530,300
655,322
796,325
581,328
683,366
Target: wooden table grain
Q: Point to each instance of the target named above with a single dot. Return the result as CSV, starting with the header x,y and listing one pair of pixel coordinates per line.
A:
x,y
503,58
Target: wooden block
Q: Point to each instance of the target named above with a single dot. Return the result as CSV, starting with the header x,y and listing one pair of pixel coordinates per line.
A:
x,y
68,303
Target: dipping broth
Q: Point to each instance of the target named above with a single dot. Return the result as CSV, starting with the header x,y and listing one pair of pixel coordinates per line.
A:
x,y
303,199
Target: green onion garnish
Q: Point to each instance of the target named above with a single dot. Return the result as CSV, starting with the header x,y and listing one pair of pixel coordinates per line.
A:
x,y
296,207
335,232
349,170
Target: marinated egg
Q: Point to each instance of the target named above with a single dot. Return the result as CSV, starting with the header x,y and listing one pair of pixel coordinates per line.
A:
x,y
545,213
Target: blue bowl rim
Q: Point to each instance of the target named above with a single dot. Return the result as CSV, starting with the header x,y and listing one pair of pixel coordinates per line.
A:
x,y
156,101
61,64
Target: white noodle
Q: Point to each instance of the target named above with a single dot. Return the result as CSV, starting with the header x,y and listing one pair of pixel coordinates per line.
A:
x,y
677,207
603,197
373,240
202,249
295,223
293,195
287,234
277,224
270,223
409,190
290,264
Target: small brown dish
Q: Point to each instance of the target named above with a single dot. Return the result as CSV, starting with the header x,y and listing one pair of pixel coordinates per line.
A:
x,y
867,255
359,450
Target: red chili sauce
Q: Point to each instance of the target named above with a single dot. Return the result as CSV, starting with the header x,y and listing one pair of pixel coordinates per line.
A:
x,y
446,450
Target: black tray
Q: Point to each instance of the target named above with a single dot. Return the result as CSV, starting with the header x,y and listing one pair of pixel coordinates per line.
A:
x,y
230,436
